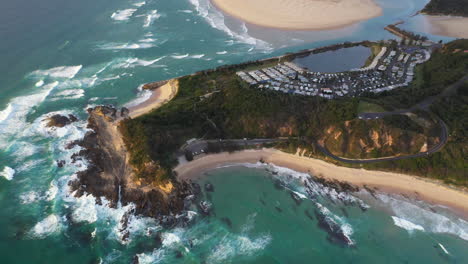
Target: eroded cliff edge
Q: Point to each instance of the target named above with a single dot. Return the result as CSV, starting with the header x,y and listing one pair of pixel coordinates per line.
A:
x,y
110,176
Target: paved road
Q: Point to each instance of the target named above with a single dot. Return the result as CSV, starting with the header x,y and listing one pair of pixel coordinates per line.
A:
x,y
423,105
437,147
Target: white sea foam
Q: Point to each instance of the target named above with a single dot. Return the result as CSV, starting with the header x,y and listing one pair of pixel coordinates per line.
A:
x,y
134,62
13,118
71,132
123,15
147,40
60,72
169,239
221,52
345,227
8,173
46,227
142,96
52,192
239,245
29,197
198,56
70,94
440,221
300,195
178,57
215,19
405,224
140,4
151,17
39,83
126,46
444,249
185,11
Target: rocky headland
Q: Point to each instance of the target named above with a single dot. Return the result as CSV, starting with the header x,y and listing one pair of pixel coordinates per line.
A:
x,y
109,174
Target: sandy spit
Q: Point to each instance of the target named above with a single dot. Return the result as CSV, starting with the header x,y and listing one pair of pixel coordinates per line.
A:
x,y
300,14
449,26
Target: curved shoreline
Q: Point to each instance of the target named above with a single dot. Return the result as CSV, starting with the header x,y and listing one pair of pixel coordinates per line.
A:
x,y
389,182
300,15
158,97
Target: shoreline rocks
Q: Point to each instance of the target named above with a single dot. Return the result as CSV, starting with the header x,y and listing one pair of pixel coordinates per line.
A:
x,y
60,120
108,174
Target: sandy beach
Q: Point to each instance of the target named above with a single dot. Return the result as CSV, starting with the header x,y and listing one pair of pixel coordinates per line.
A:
x,y
416,187
300,14
158,97
456,27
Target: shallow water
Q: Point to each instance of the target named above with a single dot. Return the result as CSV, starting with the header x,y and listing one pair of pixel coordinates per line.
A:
x,y
63,57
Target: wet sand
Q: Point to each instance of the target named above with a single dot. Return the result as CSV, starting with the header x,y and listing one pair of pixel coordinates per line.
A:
x,y
158,97
419,188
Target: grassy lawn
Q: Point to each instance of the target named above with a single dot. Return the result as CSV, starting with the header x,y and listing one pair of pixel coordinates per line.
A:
x,y
366,107
375,49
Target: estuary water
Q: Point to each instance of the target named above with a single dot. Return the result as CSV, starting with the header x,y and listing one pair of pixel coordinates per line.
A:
x,y
66,56
335,60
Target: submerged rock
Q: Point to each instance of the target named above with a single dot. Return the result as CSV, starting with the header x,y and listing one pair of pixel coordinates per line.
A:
x,y
209,187
205,207
335,233
296,198
61,163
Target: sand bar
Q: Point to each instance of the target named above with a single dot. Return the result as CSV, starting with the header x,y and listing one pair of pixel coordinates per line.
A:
x,y
416,187
449,26
300,14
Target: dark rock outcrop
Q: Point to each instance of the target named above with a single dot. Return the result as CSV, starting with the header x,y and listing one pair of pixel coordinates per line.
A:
x,y
124,112
60,120
109,174
61,163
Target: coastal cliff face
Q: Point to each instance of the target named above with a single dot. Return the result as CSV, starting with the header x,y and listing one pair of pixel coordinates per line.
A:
x,y
363,139
109,174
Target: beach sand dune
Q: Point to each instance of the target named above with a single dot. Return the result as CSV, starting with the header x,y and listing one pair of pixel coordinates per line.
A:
x,y
300,14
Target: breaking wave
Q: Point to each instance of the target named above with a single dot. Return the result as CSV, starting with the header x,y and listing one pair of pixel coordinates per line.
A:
x,y
58,72
13,118
151,17
48,226
142,96
123,15
216,20
405,224
126,46
430,219
8,173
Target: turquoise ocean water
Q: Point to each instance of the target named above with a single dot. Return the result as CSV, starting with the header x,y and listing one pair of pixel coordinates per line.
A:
x,y
65,56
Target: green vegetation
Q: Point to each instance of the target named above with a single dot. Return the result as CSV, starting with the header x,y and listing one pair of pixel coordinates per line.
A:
x,y
451,163
366,107
444,68
217,105
235,111
375,50
447,7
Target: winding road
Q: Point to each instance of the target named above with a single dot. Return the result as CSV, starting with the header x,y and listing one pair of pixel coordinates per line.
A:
x,y
423,105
